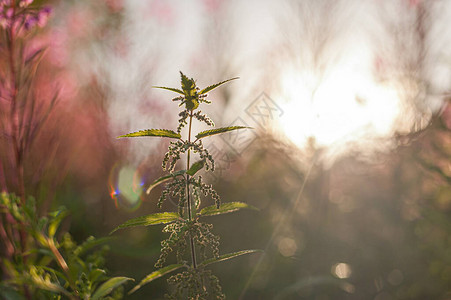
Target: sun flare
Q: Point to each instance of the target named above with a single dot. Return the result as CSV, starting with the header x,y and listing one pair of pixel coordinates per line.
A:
x,y
346,106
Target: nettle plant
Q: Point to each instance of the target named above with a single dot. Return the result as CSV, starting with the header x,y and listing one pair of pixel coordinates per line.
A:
x,y
193,242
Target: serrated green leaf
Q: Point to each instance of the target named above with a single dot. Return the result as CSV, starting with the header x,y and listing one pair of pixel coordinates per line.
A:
x,y
188,85
156,274
228,256
196,167
191,104
225,208
164,179
169,89
152,219
213,86
109,286
55,221
153,132
215,131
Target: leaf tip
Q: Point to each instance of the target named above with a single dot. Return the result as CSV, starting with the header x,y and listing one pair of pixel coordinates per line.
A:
x,y
114,230
133,290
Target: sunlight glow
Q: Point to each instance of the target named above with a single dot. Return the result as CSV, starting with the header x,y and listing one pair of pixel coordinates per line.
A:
x,y
345,106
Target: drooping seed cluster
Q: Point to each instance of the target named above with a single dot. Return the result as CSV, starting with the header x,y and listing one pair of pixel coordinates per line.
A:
x,y
202,99
176,188
187,285
197,193
176,241
177,148
184,114
198,147
195,284
171,157
205,239
206,189
180,232
203,118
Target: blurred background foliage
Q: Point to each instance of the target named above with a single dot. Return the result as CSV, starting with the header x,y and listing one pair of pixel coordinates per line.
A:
x,y
366,226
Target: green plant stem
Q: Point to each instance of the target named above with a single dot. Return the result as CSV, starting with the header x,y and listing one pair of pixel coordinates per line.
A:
x,y
188,202
63,265
15,136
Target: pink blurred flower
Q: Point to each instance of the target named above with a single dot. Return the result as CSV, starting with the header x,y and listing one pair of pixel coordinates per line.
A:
x,y
30,21
25,3
43,15
5,2
9,13
414,3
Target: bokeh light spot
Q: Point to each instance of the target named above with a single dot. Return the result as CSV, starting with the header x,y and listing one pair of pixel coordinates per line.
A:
x,y
287,246
126,187
341,270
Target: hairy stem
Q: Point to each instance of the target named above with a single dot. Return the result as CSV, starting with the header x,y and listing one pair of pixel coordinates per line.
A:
x,y
190,217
